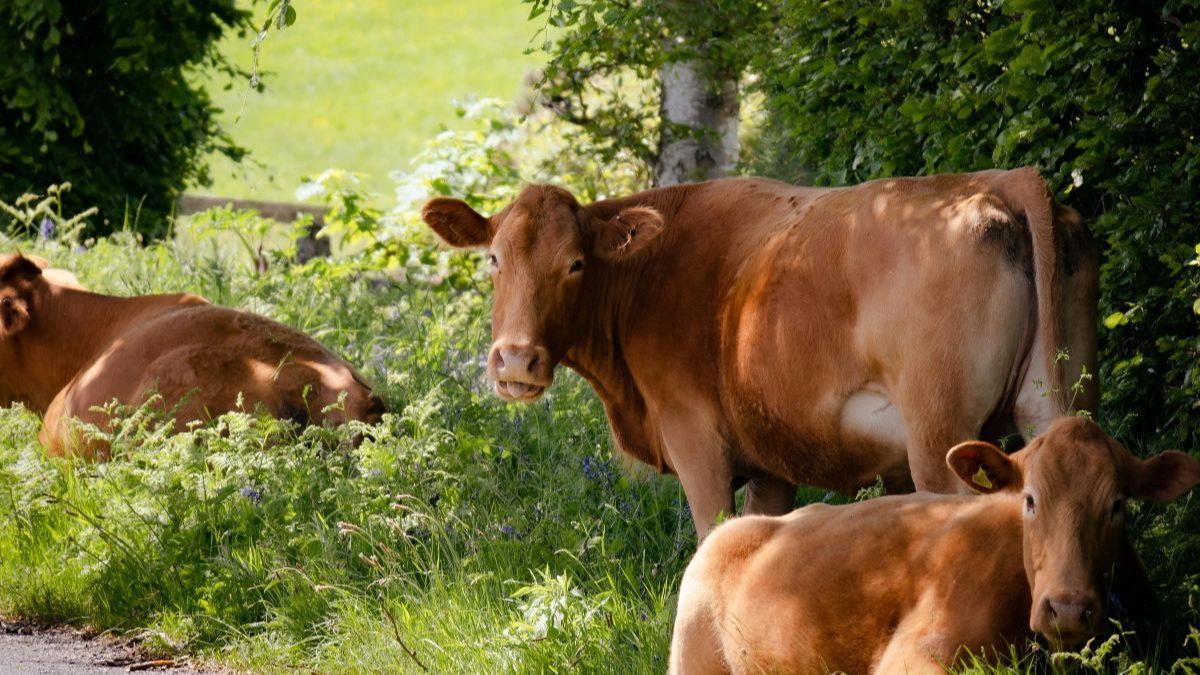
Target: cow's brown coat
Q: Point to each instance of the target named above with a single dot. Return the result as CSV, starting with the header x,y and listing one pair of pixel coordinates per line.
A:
x,y
64,351
912,583
748,329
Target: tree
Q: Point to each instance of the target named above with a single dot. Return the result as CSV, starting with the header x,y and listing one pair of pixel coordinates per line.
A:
x,y
99,94
658,79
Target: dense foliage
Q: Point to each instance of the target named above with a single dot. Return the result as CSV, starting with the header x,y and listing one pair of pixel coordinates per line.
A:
x,y
98,94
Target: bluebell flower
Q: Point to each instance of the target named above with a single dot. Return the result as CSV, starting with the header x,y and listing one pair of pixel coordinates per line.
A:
x,y
46,229
251,494
589,468
510,531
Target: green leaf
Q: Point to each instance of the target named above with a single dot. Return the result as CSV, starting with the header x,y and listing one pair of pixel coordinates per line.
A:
x,y
1115,319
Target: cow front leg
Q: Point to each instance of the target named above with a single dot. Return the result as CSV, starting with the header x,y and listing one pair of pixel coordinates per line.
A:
x,y
769,496
699,459
709,490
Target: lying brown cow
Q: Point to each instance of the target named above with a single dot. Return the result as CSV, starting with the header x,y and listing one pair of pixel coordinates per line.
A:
x,y
64,350
910,584
749,329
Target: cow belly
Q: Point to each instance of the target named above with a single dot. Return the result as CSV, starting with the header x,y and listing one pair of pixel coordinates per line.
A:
x,y
872,415
869,417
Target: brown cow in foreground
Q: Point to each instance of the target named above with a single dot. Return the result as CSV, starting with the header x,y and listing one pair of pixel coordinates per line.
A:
x,y
64,350
910,584
746,329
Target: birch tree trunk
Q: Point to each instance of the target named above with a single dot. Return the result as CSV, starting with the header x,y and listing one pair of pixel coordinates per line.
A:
x,y
699,124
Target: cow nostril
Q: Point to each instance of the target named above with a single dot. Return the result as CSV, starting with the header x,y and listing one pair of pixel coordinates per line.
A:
x,y
1050,609
534,362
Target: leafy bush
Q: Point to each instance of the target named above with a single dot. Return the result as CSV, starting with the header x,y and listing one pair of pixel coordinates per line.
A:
x,y
99,94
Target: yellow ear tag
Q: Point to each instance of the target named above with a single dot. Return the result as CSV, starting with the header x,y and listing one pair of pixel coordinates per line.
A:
x,y
981,479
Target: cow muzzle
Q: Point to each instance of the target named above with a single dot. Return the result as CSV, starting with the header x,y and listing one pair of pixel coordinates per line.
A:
x,y
520,372
1067,619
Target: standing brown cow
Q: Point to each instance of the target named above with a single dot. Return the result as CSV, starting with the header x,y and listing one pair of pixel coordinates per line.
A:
x,y
64,351
746,329
914,583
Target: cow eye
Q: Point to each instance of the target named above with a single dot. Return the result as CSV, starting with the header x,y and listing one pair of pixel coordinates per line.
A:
x,y
1118,508
493,262
1030,506
576,266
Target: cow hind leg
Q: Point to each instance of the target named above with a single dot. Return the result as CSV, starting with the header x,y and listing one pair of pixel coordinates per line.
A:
x,y
942,409
934,426
908,651
695,646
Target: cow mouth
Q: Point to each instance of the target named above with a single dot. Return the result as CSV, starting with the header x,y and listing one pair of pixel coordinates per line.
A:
x,y
518,391
1065,641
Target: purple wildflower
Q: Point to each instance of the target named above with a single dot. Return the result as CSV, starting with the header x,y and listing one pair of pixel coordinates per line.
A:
x,y
46,229
510,531
589,468
251,494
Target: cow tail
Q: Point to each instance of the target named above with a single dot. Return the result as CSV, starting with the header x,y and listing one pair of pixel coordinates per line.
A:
x,y
1025,189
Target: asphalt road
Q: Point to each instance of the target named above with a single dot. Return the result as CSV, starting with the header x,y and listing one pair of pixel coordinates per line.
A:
x,y
64,651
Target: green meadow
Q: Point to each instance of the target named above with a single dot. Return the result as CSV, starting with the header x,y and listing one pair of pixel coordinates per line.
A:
x,y
360,85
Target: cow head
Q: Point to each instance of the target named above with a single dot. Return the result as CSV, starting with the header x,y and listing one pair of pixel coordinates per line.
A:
x,y
1073,481
540,248
18,279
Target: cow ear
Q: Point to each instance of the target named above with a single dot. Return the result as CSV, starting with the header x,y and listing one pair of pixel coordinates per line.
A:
x,y
627,233
19,267
984,467
1165,476
457,223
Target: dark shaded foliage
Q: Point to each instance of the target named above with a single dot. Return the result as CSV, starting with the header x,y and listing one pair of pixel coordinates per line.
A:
x,y
98,94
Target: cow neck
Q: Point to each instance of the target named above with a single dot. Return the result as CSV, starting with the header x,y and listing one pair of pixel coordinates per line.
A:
x,y
608,304
610,293
71,329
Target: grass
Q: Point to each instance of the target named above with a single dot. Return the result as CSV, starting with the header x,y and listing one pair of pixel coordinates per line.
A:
x,y
361,84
